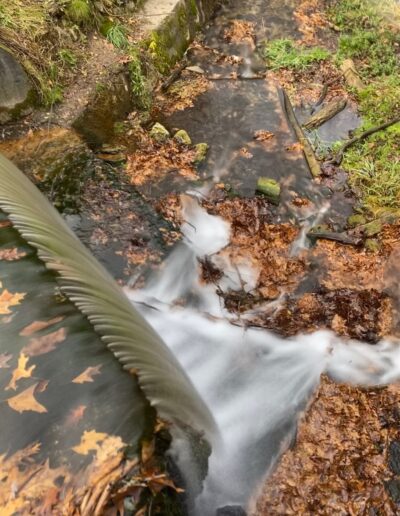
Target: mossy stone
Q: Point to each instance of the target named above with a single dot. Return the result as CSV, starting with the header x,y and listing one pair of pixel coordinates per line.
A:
x,y
270,188
159,133
371,244
373,228
201,153
182,136
356,220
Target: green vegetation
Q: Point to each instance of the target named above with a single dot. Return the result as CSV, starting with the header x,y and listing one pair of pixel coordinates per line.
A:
x,y
372,41
116,35
79,11
139,83
284,53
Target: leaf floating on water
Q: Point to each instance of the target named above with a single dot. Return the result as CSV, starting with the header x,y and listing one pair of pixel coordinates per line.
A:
x,y
4,359
75,415
263,136
7,299
26,400
39,325
22,371
102,444
87,375
11,255
45,344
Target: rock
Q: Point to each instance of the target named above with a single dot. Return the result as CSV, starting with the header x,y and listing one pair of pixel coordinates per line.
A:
x,y
195,69
372,228
394,457
356,220
393,487
231,510
270,188
16,91
371,244
350,74
182,136
201,152
159,133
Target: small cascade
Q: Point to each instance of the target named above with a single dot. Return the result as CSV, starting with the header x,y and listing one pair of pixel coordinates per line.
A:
x,y
255,383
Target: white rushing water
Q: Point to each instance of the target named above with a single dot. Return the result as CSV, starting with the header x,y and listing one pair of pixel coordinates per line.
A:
x,y
255,382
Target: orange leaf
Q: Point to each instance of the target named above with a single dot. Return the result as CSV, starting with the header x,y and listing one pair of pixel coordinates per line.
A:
x,y
39,325
75,415
91,440
87,375
45,344
20,372
26,400
7,299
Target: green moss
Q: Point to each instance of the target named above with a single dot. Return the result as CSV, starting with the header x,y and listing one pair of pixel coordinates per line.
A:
x,y
270,188
182,137
201,153
284,53
372,245
356,220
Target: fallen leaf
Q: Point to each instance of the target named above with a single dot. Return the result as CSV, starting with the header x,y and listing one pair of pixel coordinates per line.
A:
x,y
39,325
20,372
75,415
44,344
87,375
4,359
294,147
26,400
7,299
11,255
263,136
90,441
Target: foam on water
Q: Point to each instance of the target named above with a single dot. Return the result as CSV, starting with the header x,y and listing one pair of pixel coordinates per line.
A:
x,y
255,383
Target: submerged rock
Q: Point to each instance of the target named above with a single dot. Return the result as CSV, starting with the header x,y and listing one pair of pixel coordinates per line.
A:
x,y
270,188
16,91
159,133
201,153
182,137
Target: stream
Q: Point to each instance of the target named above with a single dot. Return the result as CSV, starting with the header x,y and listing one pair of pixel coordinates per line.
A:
x,y
256,383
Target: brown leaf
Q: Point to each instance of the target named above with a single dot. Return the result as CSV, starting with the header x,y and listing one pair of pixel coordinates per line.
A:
x,y
7,299
4,359
11,255
25,400
90,441
263,136
87,375
39,325
44,344
75,415
20,372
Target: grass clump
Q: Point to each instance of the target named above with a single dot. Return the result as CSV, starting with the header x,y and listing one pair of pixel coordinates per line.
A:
x,y
116,35
139,83
79,11
283,53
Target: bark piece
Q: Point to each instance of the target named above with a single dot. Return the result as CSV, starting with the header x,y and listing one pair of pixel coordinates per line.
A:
x,y
330,110
351,75
312,161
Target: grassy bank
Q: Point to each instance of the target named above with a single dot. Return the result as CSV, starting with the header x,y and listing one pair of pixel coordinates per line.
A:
x,y
370,36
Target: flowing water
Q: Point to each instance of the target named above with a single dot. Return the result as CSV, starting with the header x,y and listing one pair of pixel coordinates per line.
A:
x,y
255,383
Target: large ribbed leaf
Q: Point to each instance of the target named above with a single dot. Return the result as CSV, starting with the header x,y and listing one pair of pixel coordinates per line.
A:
x,y
95,293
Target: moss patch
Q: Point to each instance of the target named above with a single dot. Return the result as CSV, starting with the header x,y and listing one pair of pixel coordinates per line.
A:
x,y
284,53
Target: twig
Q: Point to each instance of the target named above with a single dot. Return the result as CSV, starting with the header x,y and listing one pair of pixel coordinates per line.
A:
x,y
307,149
336,160
173,77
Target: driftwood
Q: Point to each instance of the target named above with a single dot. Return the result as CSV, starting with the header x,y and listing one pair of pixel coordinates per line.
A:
x,y
350,74
321,98
326,113
336,160
343,238
312,161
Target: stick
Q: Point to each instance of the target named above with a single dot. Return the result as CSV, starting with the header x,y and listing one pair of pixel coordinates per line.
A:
x,y
307,149
336,160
